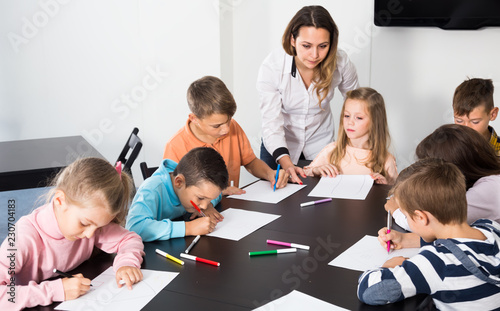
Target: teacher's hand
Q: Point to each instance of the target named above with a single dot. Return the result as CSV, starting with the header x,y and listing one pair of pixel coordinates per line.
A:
x,y
292,170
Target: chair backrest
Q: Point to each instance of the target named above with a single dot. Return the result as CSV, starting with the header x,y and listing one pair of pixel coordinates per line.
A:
x,y
147,171
133,143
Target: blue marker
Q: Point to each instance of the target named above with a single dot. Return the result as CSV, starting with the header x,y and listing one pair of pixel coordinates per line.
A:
x,y
277,175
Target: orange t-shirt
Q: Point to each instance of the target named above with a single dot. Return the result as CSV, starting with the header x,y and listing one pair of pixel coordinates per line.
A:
x,y
234,147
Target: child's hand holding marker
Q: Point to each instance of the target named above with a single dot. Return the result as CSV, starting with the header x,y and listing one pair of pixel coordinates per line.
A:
x,y
74,285
393,237
278,178
202,225
128,275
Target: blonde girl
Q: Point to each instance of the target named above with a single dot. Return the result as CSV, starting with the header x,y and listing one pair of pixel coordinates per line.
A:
x,y
362,145
88,204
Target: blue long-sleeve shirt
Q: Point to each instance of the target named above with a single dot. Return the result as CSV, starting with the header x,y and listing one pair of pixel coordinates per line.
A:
x,y
155,205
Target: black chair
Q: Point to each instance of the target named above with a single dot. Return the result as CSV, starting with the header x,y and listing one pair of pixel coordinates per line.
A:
x,y
134,143
147,171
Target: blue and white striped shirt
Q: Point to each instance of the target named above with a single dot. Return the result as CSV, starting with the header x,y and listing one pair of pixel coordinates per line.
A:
x,y
467,278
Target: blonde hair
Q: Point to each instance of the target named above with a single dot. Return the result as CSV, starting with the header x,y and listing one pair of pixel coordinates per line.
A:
x,y
318,17
88,180
378,139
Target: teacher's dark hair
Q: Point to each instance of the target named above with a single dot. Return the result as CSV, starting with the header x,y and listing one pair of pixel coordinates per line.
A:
x,y
318,17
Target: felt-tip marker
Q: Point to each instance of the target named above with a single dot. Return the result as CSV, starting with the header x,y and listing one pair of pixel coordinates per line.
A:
x,y
306,247
198,209
389,225
66,275
277,175
273,252
315,202
180,262
388,230
196,239
191,257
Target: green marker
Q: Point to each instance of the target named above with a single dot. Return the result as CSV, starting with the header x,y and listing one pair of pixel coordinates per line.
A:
x,y
273,252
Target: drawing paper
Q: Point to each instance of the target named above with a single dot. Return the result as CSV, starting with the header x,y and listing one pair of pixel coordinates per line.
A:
x,y
105,294
298,301
354,187
368,254
261,191
239,223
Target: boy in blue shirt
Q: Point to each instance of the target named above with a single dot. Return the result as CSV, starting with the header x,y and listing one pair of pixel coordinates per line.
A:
x,y
200,176
460,265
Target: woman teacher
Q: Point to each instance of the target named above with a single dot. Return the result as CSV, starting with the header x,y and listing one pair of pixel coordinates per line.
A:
x,y
295,88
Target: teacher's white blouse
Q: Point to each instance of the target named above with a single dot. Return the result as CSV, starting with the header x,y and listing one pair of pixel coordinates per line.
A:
x,y
291,116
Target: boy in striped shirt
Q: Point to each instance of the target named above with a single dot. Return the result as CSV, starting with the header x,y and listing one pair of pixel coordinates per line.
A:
x,y
458,264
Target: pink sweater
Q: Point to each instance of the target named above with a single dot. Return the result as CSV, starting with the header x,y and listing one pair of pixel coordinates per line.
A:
x,y
352,163
40,247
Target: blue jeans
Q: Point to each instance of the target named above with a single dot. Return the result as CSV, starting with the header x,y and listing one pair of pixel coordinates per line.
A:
x,y
267,157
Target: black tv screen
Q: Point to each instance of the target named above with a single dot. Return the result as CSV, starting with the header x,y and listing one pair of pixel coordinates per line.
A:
x,y
445,14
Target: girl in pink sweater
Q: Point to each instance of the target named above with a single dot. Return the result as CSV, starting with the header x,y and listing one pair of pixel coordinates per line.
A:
x,y
89,202
363,142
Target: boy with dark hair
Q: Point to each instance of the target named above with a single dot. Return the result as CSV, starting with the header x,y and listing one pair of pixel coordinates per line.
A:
x,y
211,124
460,267
200,176
473,107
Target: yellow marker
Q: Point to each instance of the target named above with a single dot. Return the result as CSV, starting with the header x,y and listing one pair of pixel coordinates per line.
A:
x,y
180,262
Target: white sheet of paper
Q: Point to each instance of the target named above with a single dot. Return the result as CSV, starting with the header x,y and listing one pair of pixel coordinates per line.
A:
x,y
298,301
262,191
105,294
239,223
354,187
368,254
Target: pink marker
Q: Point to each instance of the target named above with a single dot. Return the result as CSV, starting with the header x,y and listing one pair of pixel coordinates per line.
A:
x,y
306,247
388,230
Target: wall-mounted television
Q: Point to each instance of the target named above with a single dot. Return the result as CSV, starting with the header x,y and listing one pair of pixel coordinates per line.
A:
x,y
445,14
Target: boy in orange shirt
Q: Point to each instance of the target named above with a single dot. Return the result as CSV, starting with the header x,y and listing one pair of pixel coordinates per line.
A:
x,y
210,124
473,107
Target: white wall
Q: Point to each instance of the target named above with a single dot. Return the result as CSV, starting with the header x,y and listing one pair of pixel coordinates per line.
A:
x,y
75,62
68,67
415,69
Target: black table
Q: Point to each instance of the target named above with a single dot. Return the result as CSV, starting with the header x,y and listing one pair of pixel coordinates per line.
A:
x,y
31,163
244,283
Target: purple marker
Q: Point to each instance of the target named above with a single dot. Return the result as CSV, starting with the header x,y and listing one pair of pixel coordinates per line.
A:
x,y
315,202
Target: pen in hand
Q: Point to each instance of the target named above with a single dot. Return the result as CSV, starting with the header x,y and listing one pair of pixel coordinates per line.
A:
x,y
276,179
197,208
388,230
66,275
